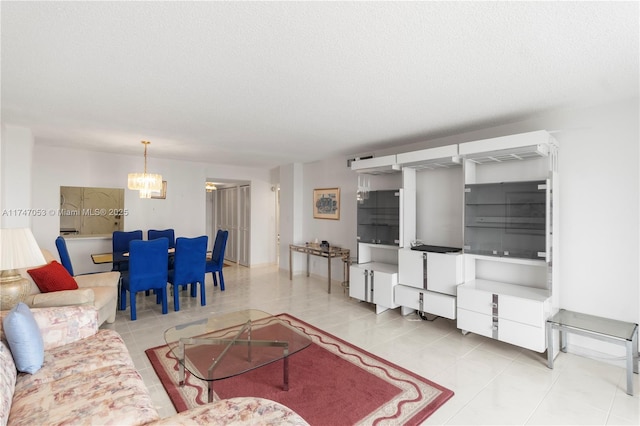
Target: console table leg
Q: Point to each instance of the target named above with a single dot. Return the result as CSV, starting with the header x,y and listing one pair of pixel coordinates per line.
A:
x,y
549,345
329,272
630,368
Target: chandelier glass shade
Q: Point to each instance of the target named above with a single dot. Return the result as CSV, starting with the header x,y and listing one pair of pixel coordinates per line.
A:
x,y
145,182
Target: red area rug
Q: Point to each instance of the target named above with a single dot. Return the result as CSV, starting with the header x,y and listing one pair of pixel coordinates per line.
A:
x,y
330,383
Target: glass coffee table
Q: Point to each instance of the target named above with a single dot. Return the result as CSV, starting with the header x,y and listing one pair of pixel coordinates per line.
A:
x,y
227,345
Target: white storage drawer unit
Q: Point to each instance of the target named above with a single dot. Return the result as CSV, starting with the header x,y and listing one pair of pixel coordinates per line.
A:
x,y
512,314
415,299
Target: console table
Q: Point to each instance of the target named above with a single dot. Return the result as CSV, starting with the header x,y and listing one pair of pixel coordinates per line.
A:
x,y
608,330
315,250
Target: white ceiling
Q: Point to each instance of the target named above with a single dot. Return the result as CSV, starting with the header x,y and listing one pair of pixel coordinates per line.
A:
x,y
269,83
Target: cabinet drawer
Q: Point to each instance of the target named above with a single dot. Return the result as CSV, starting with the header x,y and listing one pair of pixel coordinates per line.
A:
x,y
432,303
526,311
475,322
475,300
523,335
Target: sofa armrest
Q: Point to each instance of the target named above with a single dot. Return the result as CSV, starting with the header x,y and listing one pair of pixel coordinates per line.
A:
x,y
62,325
242,410
81,296
99,279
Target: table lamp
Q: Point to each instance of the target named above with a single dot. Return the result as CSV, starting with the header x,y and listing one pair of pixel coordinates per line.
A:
x,y
18,249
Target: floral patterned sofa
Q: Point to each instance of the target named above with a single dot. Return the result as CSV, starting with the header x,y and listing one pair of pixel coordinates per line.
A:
x,y
88,377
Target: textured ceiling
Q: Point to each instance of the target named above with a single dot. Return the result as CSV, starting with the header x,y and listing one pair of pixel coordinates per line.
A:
x,y
269,83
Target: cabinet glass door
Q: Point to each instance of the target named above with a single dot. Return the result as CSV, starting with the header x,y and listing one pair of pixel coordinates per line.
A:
x,y
379,218
506,219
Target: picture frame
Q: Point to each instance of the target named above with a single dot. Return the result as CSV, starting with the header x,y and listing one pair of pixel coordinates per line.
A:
x,y
326,203
160,195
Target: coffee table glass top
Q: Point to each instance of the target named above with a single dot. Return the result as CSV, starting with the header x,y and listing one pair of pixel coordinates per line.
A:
x,y
230,344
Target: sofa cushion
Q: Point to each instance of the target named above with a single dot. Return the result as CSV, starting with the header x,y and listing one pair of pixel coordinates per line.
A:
x,y
104,349
53,277
111,395
7,382
23,335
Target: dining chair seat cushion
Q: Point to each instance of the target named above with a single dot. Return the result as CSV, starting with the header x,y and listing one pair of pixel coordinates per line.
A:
x,y
53,277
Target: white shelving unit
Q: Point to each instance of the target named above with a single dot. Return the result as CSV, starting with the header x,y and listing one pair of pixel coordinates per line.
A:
x,y
375,276
433,292
510,298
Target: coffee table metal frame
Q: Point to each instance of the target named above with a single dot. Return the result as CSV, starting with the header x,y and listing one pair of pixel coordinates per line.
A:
x,y
231,342
180,349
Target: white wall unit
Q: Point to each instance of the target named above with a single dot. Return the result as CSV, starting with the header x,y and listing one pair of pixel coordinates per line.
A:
x,y
415,299
437,293
510,298
374,282
444,271
506,312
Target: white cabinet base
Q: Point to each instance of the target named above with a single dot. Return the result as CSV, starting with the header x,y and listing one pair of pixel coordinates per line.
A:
x,y
414,299
510,313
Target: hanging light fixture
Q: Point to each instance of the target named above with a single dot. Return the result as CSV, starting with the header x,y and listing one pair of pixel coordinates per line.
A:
x,y
145,182
210,186
364,186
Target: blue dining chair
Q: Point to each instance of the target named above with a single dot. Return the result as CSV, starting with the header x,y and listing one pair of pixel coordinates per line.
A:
x,y
189,267
152,234
120,243
65,259
217,258
148,262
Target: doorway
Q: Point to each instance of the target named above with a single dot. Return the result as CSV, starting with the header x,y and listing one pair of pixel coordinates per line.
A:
x,y
229,208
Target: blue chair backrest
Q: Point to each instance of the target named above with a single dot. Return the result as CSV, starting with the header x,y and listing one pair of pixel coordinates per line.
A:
x,y
148,264
190,260
152,234
65,259
121,239
217,257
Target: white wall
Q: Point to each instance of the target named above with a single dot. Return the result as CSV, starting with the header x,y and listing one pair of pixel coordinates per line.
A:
x,y
184,209
15,180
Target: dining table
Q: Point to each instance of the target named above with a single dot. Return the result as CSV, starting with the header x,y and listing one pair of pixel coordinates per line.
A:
x,y
123,256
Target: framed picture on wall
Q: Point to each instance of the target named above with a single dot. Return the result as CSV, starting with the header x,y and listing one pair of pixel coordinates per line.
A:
x,y
326,203
161,195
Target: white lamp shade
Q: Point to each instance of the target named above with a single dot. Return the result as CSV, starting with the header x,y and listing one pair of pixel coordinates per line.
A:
x,y
19,249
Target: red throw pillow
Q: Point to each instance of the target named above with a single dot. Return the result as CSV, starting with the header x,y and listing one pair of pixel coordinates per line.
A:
x,y
53,277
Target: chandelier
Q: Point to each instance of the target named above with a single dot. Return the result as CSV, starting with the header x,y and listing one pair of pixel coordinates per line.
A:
x,y
146,183
210,186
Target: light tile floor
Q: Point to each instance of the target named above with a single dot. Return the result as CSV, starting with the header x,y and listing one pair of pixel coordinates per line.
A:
x,y
494,383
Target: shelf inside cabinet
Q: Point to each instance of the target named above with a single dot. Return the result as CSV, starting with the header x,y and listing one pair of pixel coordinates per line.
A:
x,y
508,289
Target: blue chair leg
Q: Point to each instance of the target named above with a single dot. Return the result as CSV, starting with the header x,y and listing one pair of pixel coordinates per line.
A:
x,y
164,300
132,297
221,281
123,299
203,297
215,279
194,289
176,298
